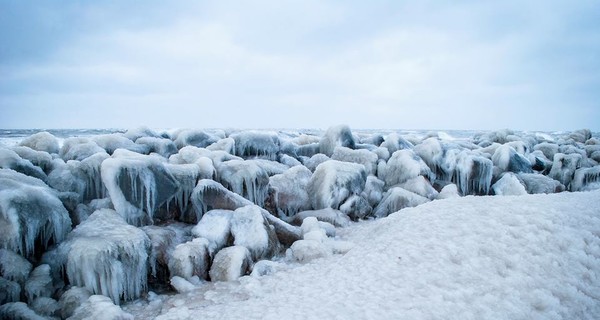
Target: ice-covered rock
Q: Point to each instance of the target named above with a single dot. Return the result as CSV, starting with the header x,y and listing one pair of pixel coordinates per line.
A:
x,y
394,142
508,159
163,241
137,185
266,267
402,166
547,148
11,160
46,306
421,186
31,215
308,250
107,256
356,207
473,174
245,178
334,181
161,146
215,226
230,263
40,159
333,216
187,176
78,148
448,191
249,229
195,138
39,283
190,259
101,308
14,267
564,166
251,144
112,142
396,199
225,144
509,185
10,291
337,136
181,285
364,157
18,311
538,183
41,141
140,132
270,167
373,191
586,179
290,190
71,300
439,156
580,136
314,161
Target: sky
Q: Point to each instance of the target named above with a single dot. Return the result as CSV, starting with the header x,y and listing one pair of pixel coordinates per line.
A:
x,y
476,65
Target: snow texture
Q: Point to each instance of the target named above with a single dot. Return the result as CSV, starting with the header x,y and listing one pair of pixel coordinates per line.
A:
x,y
334,181
231,263
101,308
107,256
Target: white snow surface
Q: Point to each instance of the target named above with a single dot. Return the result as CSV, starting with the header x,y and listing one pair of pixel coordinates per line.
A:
x,y
521,257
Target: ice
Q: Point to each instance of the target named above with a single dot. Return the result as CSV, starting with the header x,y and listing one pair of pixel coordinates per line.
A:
x,y
186,175
10,291
581,136
315,161
161,146
18,311
114,141
547,148
31,215
266,267
164,239
226,144
66,177
11,160
246,178
140,132
41,141
448,191
107,256
252,144
394,142
564,166
473,174
215,226
508,185
40,159
39,283
402,166
290,190
439,157
337,136
334,181
100,308
537,183
333,216
364,157
508,159
195,138
586,179
289,161
14,267
78,148
190,259
356,207
308,250
396,199
181,285
137,185
249,229
231,263
46,306
421,186
373,191
72,299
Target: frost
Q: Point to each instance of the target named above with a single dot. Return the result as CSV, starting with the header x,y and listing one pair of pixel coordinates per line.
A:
x,y
230,263
333,216
586,179
250,144
112,142
564,166
507,159
72,299
190,259
11,160
45,306
215,226
18,311
101,308
473,174
307,250
537,183
161,146
334,181
79,149
41,141
10,291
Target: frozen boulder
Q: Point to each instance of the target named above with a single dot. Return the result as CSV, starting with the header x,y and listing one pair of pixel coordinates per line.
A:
x,y
252,144
364,157
586,179
421,186
107,256
230,264
11,160
508,159
547,148
356,207
195,138
40,159
448,191
137,185
538,183
333,216
439,156
338,136
78,148
100,307
140,132
249,229
10,291
39,283
14,267
112,142
394,142
41,141
334,181
215,226
245,178
163,241
18,311
396,199
564,166
225,144
373,191
509,185
32,217
308,250
290,190
314,161
580,136
46,307
190,259
266,267
187,176
71,300
473,174
161,146
404,165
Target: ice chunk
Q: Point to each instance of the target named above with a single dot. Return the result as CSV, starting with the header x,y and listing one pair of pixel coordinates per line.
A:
x,y
507,159
564,166
112,142
72,299
421,186
164,239
538,183
39,283
356,207
249,229
448,191
11,160
337,136
290,190
231,263
195,138
307,250
40,159
10,291
548,149
13,266
508,185
31,215
137,185
245,178
586,179
190,259
334,181
41,141
289,161
580,136
186,175
373,191
139,132
161,146
404,165
225,144
78,148
394,142
250,144
107,256
333,216
182,285
101,308
473,174
315,161
396,199
440,156
18,311
266,267
46,306
215,226
364,157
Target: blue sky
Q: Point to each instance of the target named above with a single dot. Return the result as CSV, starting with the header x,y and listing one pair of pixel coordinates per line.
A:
x,y
528,65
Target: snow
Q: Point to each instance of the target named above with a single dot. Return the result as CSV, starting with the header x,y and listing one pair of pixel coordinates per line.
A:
x,y
41,141
13,266
466,258
114,141
215,226
509,185
333,216
100,308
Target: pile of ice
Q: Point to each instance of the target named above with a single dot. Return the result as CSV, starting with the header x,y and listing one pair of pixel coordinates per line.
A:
x,y
96,221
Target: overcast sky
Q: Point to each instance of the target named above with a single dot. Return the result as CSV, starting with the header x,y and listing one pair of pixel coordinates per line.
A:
x,y
527,65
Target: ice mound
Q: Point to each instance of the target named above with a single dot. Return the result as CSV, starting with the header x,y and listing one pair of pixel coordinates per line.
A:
x,y
107,256
40,159
334,181
14,267
41,141
246,178
163,241
78,148
338,136
329,215
250,229
404,165
161,146
18,311
11,160
290,190
39,284
46,306
100,307
10,291
190,259
509,185
506,158
72,299
231,263
394,142
31,215
586,179
251,144
364,157
473,174
538,183
396,199
564,166
112,142
439,156
195,138
215,226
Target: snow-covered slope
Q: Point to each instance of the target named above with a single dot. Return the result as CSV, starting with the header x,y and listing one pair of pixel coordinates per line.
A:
x,y
512,257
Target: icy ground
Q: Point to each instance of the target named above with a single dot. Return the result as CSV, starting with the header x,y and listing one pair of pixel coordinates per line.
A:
x,y
512,257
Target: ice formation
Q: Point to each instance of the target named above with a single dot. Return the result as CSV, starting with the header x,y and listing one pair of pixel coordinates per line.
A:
x,y
404,165
245,178
564,166
307,250
163,241
100,307
40,159
394,142
507,159
39,283
421,186
79,149
334,181
338,136
250,144
41,141
45,306
364,157
215,226
333,216
161,146
509,185
18,311
112,142
586,179
14,267
195,138
72,299
107,256
314,161
190,259
473,174
538,183
290,190
10,291
249,229
396,199
231,263
356,207
11,160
